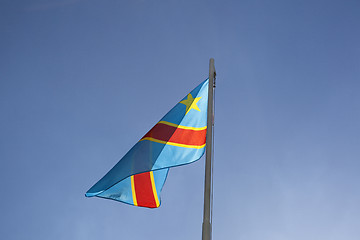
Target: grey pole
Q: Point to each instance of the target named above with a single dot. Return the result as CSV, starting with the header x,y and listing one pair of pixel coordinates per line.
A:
x,y
207,220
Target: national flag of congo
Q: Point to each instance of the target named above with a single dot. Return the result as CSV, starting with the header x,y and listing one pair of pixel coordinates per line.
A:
x,y
178,138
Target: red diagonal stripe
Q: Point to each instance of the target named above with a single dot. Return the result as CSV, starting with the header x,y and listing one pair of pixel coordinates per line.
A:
x,y
143,190
168,133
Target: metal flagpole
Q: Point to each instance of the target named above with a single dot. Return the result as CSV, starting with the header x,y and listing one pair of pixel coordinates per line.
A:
x,y
207,220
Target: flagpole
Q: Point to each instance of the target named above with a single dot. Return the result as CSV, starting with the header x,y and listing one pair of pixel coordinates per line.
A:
x,y
207,219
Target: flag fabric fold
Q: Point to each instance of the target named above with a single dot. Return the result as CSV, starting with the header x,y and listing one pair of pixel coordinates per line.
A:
x,y
178,138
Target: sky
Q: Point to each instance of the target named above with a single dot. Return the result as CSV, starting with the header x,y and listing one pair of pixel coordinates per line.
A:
x,y
81,81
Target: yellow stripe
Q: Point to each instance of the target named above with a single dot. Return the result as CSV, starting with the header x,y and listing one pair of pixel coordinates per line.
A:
x,y
133,190
182,127
173,144
154,189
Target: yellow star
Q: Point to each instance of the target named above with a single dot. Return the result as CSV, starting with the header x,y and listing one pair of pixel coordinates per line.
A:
x,y
190,103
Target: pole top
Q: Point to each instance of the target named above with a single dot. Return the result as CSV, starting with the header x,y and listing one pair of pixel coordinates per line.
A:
x,y
212,65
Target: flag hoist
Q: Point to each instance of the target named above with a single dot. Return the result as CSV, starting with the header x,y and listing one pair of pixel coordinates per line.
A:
x,y
179,138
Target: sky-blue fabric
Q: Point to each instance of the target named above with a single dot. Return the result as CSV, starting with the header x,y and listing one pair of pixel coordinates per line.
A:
x,y
147,156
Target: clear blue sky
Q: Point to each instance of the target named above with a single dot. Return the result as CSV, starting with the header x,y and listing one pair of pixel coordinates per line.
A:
x,y
82,80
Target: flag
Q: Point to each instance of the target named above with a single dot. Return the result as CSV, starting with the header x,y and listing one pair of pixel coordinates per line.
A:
x,y
178,138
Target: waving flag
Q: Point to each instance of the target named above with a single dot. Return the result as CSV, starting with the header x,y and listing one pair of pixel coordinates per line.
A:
x,y
178,138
